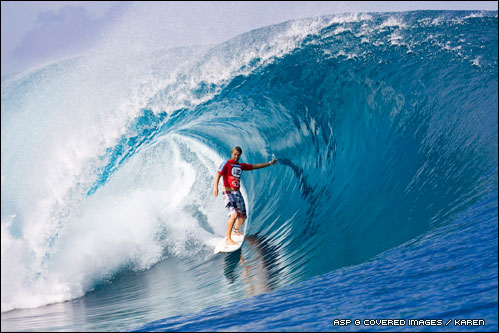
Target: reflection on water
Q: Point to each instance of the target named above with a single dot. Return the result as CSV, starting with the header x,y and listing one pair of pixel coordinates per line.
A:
x,y
255,264
255,273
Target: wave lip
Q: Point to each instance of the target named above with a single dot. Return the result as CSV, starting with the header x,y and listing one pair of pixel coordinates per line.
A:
x,y
385,126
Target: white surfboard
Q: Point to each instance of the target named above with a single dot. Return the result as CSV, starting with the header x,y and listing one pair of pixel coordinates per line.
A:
x,y
222,247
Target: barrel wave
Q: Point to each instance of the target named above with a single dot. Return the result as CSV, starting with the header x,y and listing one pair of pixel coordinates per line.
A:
x,y
384,125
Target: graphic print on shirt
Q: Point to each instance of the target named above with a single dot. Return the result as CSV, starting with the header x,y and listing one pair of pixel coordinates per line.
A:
x,y
232,172
236,172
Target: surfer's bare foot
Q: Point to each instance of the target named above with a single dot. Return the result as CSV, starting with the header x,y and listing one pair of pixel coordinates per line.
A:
x,y
230,242
237,232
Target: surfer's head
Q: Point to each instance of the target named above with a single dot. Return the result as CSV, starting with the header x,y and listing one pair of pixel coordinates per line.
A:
x,y
236,153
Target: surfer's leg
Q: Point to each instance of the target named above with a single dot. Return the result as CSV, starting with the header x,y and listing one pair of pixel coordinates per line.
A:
x,y
230,223
230,205
241,213
237,227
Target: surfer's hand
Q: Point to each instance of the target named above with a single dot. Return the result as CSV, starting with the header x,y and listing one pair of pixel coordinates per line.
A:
x,y
274,161
215,192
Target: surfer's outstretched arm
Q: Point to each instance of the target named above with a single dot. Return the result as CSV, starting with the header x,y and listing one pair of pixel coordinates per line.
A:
x,y
264,165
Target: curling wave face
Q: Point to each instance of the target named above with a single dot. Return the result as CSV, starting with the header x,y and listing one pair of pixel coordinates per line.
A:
x,y
385,127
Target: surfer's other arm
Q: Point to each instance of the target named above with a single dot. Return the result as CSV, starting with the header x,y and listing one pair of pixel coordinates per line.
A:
x,y
264,165
215,188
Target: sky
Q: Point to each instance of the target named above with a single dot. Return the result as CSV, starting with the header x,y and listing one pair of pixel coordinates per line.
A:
x,y
38,32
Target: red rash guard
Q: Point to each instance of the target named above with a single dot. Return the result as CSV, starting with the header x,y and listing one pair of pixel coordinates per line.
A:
x,y
231,172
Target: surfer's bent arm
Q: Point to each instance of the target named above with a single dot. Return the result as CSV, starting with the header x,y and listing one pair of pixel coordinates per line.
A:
x,y
264,165
215,188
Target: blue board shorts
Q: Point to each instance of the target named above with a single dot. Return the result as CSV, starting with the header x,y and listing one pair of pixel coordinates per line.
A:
x,y
234,203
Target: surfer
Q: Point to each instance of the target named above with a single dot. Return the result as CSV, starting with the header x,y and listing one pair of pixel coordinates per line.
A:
x,y
231,171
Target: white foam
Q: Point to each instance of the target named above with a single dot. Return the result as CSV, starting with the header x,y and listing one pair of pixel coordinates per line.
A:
x,y
396,39
56,139
392,22
476,61
138,217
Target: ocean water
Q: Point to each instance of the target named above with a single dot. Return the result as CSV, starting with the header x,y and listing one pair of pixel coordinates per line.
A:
x,y
383,204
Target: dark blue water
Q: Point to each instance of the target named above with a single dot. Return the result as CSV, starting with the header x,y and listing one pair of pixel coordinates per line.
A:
x,y
383,204
430,284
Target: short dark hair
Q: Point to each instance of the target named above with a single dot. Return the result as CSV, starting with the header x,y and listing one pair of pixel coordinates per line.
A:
x,y
238,149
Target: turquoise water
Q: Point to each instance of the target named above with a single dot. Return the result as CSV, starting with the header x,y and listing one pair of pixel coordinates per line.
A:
x,y
383,204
